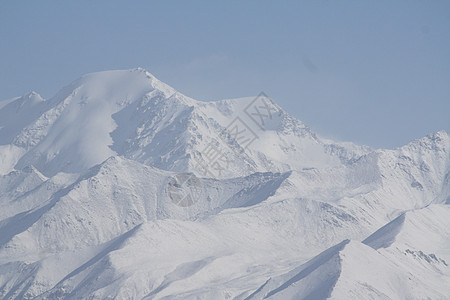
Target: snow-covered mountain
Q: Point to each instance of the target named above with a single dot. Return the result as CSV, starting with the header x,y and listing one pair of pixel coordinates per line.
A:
x,y
119,187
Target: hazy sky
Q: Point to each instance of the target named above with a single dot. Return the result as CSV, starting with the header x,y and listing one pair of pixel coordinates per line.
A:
x,y
376,72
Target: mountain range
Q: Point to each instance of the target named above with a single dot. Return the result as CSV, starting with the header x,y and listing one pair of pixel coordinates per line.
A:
x,y
120,187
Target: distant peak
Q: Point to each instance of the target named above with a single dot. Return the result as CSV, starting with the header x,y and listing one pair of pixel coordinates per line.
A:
x,y
31,98
33,95
141,70
439,134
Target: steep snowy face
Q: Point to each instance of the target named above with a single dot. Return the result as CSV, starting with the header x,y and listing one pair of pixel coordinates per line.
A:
x,y
254,134
18,113
73,134
420,170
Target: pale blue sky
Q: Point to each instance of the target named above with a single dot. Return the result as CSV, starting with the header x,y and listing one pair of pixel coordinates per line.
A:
x,y
376,72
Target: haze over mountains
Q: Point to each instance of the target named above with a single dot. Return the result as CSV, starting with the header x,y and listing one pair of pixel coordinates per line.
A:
x,y
119,187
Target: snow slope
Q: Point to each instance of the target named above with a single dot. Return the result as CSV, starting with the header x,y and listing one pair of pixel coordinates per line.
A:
x,y
405,259
121,187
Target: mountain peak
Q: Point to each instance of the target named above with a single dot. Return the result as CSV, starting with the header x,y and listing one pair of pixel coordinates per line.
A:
x,y
33,96
130,82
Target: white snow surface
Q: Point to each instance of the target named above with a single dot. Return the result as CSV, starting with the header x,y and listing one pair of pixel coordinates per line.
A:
x,y
119,187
